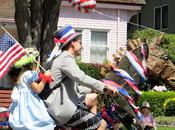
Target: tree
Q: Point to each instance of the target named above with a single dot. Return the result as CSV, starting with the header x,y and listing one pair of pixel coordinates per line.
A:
x,y
36,22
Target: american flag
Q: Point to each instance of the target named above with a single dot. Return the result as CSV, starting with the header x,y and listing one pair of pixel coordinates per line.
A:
x,y
10,51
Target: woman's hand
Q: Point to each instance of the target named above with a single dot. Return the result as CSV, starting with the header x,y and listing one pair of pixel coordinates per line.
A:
x,y
47,73
111,89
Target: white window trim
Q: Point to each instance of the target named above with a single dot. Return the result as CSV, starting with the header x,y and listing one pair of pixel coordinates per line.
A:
x,y
80,30
160,17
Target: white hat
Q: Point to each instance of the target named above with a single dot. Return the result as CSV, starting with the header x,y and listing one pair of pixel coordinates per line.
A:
x,y
145,104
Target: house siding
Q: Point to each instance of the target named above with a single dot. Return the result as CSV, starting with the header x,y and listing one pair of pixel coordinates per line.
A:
x,y
7,8
115,27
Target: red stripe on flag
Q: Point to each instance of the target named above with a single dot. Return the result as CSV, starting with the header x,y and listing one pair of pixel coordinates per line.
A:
x,y
9,57
8,53
90,6
1,54
1,75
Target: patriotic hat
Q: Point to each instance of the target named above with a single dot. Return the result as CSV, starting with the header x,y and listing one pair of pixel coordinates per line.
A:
x,y
65,35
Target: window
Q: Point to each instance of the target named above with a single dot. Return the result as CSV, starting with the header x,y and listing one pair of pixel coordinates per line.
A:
x,y
98,48
139,17
161,17
165,17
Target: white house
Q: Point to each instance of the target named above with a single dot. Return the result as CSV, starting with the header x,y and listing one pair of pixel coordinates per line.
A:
x,y
104,31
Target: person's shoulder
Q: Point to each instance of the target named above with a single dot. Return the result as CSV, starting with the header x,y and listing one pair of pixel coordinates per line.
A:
x,y
64,56
30,73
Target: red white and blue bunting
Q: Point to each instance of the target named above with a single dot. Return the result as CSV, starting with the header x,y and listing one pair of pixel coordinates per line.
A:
x,y
83,5
140,67
127,78
127,96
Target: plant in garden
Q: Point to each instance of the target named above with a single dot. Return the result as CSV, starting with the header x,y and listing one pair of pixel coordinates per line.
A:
x,y
92,70
168,44
156,100
144,33
169,107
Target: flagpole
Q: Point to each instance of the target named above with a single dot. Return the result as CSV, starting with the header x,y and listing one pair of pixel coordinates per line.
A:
x,y
24,49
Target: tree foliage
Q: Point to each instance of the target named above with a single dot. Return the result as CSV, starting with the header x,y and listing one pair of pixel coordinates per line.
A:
x,y
167,42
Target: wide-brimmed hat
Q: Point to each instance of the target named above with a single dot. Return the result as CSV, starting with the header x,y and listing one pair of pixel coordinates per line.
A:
x,y
146,104
65,35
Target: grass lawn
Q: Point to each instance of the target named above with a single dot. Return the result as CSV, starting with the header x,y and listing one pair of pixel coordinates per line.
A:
x,y
165,128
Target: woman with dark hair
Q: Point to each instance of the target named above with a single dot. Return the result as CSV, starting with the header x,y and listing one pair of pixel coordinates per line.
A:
x,y
64,103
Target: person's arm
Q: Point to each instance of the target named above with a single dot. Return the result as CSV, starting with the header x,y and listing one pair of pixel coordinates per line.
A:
x,y
32,78
72,70
38,87
83,90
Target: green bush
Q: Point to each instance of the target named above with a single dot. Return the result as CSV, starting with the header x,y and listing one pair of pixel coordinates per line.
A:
x,y
168,44
92,70
169,107
144,33
156,100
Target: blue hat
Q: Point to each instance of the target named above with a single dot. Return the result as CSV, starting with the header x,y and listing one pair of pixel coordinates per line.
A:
x,y
65,35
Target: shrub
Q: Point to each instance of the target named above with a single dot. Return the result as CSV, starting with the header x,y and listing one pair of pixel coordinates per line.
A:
x,y
144,33
156,100
169,46
92,70
169,107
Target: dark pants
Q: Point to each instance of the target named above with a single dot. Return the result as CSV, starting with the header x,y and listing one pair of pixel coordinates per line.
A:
x,y
147,128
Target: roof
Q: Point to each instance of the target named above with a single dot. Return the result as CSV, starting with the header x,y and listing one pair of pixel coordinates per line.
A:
x,y
133,2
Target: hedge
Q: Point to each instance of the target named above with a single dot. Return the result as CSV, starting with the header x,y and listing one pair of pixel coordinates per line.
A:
x,y
169,107
156,100
92,70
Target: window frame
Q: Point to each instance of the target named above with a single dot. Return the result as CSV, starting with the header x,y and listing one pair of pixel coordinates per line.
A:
x,y
160,16
104,46
139,19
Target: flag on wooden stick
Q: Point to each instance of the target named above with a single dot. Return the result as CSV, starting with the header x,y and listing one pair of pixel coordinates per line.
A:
x,y
10,51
